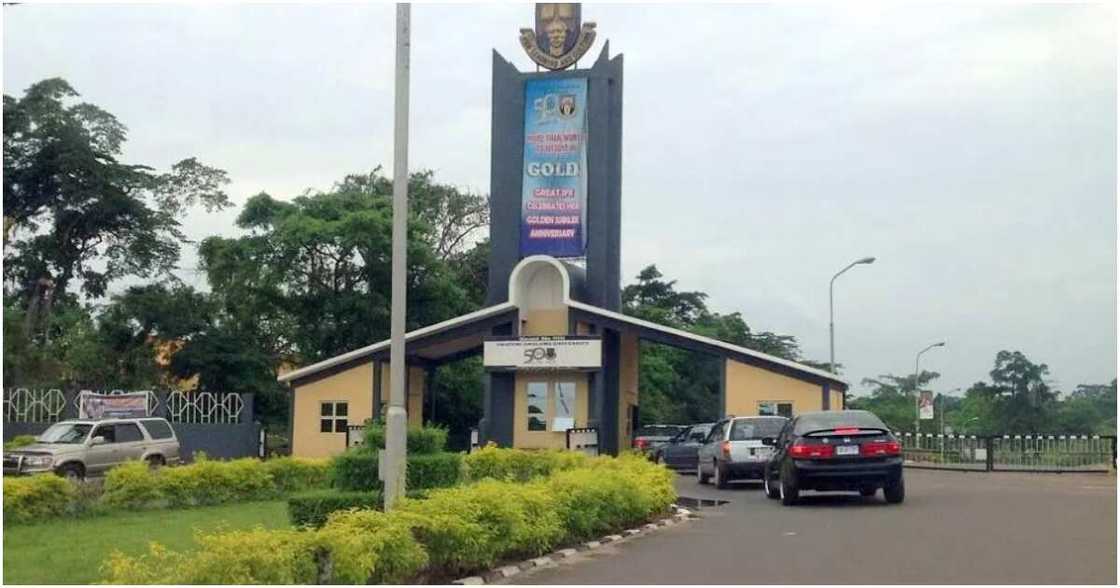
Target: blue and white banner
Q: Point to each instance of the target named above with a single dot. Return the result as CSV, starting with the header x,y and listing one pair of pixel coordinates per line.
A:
x,y
554,181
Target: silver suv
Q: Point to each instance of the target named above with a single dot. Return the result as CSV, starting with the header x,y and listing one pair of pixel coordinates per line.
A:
x,y
75,449
734,450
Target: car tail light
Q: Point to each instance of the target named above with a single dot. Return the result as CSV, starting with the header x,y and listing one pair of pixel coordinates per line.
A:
x,y
810,451
847,431
881,448
641,443
726,448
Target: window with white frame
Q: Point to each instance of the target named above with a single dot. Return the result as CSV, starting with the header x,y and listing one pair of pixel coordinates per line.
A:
x,y
538,406
333,416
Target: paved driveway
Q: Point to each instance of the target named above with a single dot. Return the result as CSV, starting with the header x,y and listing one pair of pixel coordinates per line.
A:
x,y
955,527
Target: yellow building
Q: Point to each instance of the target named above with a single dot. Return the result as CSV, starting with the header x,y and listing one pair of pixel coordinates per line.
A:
x,y
553,364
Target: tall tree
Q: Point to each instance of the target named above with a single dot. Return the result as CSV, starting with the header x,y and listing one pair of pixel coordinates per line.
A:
x,y
74,212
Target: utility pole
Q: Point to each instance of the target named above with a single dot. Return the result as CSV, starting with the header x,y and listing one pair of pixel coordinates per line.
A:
x,y
831,330
917,390
393,458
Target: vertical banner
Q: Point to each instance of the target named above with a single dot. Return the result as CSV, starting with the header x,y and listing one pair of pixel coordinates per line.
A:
x,y
554,181
925,405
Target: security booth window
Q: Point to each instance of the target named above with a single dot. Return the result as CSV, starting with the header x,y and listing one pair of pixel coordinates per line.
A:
x,y
333,417
776,409
564,416
538,405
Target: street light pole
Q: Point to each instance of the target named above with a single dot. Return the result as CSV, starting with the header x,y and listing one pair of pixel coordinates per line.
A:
x,y
831,326
917,393
396,424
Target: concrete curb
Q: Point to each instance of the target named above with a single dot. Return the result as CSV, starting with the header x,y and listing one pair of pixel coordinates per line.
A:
x,y
679,515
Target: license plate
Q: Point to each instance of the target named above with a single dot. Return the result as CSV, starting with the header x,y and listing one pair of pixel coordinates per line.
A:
x,y
847,450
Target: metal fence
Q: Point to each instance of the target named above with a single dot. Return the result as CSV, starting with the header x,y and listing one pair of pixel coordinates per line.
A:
x,y
1010,453
50,405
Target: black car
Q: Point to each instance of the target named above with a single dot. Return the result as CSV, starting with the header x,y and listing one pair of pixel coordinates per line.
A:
x,y
846,450
679,453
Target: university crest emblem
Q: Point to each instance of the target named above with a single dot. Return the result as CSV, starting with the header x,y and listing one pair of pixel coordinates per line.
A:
x,y
559,39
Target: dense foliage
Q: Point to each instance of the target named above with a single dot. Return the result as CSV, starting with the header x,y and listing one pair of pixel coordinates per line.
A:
x,y
449,533
1016,401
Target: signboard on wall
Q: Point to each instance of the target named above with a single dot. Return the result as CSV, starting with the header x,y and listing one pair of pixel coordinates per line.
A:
x,y
543,352
102,406
554,180
925,405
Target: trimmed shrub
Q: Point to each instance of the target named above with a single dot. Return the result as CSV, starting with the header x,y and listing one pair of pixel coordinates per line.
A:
x,y
32,498
471,527
208,482
420,440
257,556
133,485
311,509
426,440
19,441
294,474
437,470
519,465
355,470
370,547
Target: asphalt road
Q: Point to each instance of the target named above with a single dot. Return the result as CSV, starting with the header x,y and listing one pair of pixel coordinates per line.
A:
x,y
953,528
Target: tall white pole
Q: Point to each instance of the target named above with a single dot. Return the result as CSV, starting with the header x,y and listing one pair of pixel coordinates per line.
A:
x,y
393,468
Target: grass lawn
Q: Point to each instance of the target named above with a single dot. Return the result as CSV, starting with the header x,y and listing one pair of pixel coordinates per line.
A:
x,y
71,551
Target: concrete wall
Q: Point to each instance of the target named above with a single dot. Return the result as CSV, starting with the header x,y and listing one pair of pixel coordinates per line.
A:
x,y
628,384
747,385
354,386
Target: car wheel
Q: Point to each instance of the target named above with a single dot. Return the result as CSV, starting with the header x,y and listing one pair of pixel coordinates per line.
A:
x,y
869,491
788,493
772,492
700,477
657,459
72,472
895,492
719,477
155,462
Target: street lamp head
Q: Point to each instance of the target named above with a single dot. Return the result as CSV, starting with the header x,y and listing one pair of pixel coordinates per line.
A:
x,y
941,344
867,260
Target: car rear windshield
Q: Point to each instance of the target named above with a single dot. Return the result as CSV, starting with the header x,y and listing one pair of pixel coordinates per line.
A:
x,y
837,420
743,429
158,429
659,431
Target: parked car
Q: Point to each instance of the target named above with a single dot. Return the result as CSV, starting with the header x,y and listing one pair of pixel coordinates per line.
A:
x,y
650,437
847,450
679,453
75,449
734,450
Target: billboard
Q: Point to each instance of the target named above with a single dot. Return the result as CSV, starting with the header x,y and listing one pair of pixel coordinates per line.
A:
x,y
554,179
925,405
543,352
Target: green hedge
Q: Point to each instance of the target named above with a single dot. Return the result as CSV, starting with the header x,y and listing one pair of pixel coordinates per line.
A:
x,y
208,482
19,441
311,509
420,440
32,498
453,531
519,465
356,470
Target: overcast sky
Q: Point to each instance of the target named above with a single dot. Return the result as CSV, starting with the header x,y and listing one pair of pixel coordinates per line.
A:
x,y
971,149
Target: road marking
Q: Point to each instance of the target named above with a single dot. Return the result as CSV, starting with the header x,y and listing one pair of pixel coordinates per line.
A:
x,y
789,533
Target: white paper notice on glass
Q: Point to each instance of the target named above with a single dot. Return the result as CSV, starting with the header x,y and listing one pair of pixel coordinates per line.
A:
x,y
563,423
